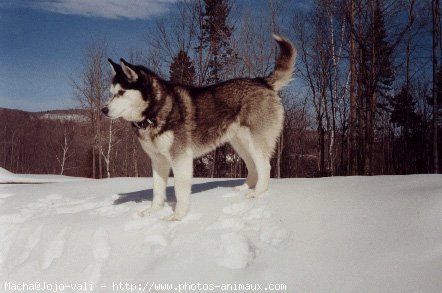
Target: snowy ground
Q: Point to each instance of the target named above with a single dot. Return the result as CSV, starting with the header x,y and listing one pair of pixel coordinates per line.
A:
x,y
8,177
359,234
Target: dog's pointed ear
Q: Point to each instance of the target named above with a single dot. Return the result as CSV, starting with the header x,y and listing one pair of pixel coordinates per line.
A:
x,y
128,70
114,67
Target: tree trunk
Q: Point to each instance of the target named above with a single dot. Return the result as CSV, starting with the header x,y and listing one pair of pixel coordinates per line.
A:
x,y
371,105
100,149
93,161
279,155
435,8
213,169
322,151
107,157
409,40
352,125
360,113
134,157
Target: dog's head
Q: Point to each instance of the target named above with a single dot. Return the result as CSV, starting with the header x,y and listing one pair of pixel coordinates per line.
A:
x,y
132,92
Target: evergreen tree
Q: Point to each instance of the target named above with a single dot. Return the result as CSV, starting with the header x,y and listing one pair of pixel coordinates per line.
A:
x,y
439,92
181,69
403,113
408,144
376,81
217,35
379,64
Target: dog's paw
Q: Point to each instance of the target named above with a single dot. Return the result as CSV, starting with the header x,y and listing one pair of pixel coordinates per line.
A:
x,y
173,217
243,187
149,211
251,194
256,191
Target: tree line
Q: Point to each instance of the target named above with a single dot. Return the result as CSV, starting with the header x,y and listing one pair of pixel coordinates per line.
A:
x,y
61,142
366,63
366,97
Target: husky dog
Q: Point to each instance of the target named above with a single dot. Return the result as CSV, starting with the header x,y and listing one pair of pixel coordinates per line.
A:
x,y
177,123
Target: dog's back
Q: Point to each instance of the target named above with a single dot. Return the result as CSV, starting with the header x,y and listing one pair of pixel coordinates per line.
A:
x,y
254,103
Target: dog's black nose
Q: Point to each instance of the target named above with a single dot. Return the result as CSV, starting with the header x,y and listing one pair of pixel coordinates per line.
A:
x,y
105,110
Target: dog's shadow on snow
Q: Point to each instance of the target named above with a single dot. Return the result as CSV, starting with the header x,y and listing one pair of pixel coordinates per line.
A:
x,y
147,194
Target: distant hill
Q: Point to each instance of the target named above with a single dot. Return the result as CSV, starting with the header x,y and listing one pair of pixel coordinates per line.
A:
x,y
10,115
74,115
64,142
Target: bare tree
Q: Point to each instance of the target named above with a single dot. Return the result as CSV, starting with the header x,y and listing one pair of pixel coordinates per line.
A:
x,y
337,29
65,147
435,34
320,71
112,140
90,89
107,156
352,126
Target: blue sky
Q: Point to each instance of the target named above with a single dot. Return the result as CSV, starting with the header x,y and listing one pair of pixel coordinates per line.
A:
x,y
42,43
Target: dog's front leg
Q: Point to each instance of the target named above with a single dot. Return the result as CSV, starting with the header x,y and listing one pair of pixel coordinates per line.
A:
x,y
182,167
160,170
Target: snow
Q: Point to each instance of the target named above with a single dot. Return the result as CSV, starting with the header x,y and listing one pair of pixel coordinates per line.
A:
x,y
8,177
65,117
342,234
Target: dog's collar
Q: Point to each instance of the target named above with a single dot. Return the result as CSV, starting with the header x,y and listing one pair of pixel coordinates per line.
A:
x,y
147,122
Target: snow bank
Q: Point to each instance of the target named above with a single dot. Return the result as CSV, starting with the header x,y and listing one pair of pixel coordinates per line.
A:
x,y
8,177
348,234
4,172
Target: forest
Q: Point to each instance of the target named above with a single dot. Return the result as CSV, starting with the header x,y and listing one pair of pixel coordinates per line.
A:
x,y
366,97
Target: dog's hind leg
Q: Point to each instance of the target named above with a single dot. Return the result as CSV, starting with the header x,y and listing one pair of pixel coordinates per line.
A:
x,y
258,150
161,170
243,152
182,167
262,163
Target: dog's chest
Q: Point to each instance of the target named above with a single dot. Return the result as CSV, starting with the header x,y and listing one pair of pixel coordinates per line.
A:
x,y
160,144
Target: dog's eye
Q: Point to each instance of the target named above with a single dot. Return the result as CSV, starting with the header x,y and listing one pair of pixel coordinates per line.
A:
x,y
121,92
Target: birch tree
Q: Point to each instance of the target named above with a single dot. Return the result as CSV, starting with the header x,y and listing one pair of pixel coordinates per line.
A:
x,y
90,88
65,148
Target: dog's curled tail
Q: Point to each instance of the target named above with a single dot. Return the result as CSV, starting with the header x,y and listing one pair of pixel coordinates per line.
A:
x,y
284,65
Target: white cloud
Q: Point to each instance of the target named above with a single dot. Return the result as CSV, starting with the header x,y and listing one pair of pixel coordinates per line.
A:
x,y
115,9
